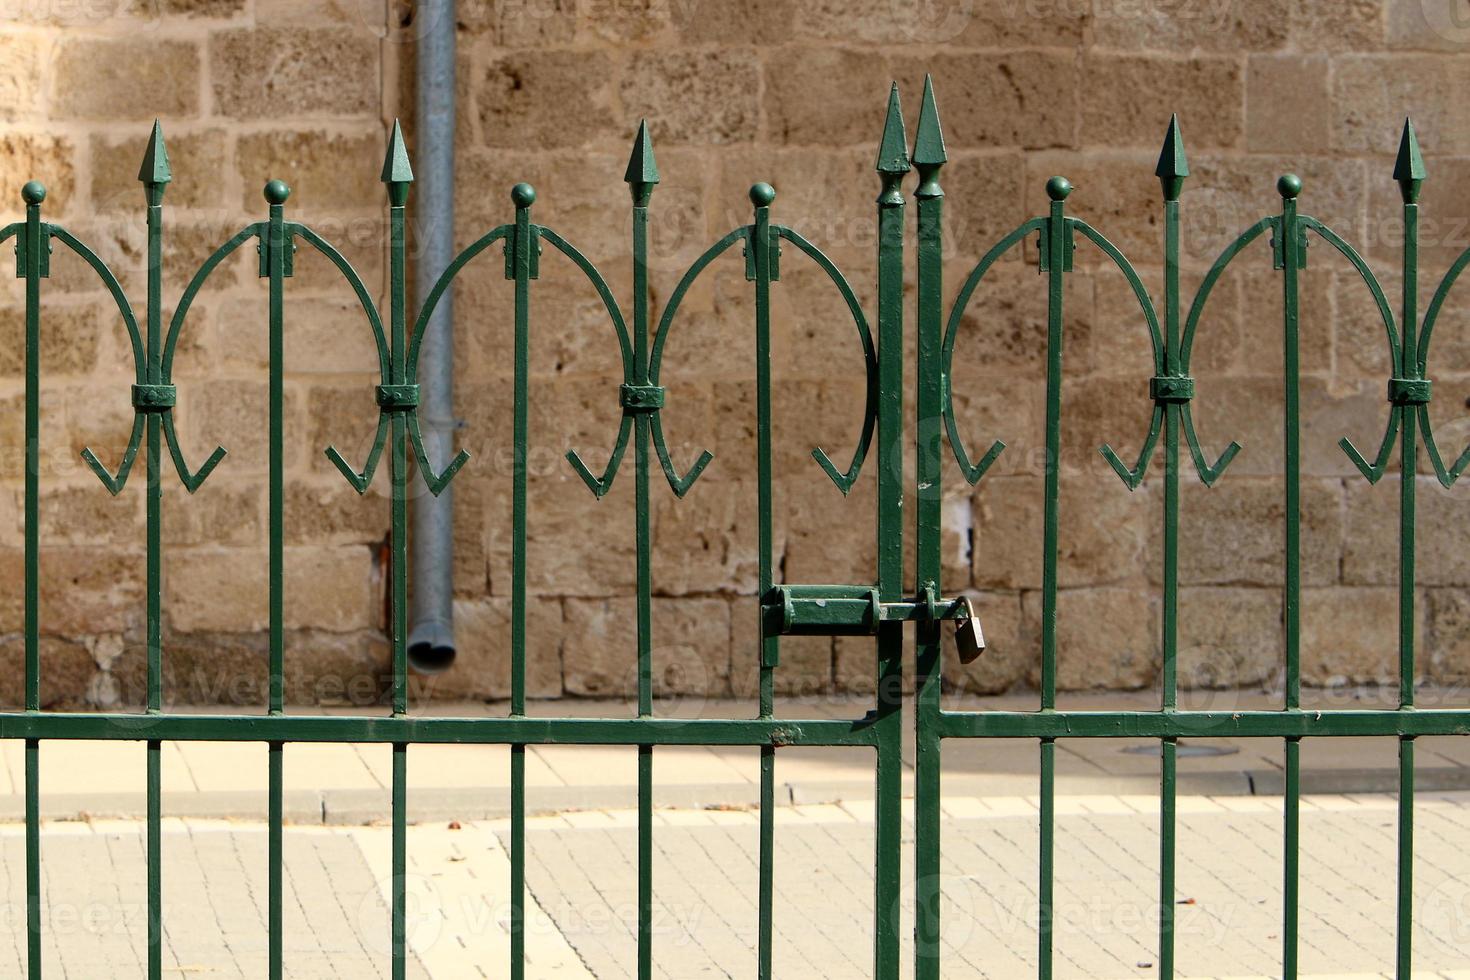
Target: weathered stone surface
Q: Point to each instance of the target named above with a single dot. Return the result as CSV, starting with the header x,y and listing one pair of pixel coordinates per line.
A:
x,y
545,99
1233,533
1372,93
690,648
1024,98
1229,638
551,92
1008,657
235,415
1259,26
125,78
482,665
694,96
317,12
271,72
1299,124
1444,233
84,591
220,513
1444,650
823,193
829,537
331,589
200,8
825,95
805,670
1417,26
1370,555
752,22
330,335
1106,638
1104,532
69,339
197,159
625,21
1350,636
707,541
21,57
89,515
959,22
520,23
1120,105
327,173
330,511
1227,194
1004,327
67,669
49,159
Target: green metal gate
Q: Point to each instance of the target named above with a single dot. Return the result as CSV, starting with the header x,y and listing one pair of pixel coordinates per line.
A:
x,y
878,608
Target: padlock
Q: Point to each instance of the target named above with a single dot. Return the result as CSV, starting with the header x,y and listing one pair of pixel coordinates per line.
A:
x,y
968,637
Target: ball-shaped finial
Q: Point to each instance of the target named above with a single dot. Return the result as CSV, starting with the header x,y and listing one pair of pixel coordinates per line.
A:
x,y
276,192
762,194
523,195
34,192
1289,186
1057,188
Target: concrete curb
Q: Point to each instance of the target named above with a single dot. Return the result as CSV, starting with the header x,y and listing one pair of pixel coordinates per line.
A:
x,y
346,807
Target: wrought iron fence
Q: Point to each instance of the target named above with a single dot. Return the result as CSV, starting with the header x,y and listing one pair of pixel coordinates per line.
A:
x,y
878,608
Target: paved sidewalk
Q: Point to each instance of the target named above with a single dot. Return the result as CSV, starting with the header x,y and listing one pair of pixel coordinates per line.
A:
x,y
580,880
348,784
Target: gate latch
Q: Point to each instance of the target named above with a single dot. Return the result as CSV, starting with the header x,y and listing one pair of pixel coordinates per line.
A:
x,y
856,610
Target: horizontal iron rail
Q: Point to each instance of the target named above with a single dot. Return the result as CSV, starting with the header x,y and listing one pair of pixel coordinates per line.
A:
x,y
404,729
1282,723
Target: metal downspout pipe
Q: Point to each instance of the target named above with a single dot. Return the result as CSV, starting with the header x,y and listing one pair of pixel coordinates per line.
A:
x,y
431,612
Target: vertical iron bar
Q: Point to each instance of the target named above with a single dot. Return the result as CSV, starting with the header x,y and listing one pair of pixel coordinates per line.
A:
x,y
929,157
1057,237
274,816
1290,245
1171,172
276,194
398,574
400,860
761,243
155,860
33,194
523,196
640,170
154,189
1408,471
892,165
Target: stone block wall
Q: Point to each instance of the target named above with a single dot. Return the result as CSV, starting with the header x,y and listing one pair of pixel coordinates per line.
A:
x,y
791,93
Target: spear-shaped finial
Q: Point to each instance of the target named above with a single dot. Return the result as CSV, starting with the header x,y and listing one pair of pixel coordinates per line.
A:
x,y
397,171
1173,167
929,153
929,139
893,156
155,172
1408,169
642,172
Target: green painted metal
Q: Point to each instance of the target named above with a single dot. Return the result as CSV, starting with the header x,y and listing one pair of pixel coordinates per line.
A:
x,y
929,158
879,608
1172,391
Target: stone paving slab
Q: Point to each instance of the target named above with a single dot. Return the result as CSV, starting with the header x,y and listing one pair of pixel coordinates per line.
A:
x,y
582,884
